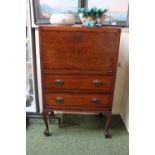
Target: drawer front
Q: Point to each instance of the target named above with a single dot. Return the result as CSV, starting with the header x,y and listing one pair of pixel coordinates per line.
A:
x,y
73,82
77,100
78,50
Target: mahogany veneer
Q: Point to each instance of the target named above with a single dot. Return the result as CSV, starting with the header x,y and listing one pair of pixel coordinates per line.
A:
x,y
78,69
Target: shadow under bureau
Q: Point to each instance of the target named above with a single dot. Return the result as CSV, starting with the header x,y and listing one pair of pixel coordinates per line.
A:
x,y
78,69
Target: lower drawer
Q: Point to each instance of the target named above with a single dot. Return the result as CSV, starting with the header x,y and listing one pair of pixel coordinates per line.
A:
x,y
77,100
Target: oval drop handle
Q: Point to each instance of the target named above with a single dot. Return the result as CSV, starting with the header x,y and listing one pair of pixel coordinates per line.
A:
x,y
95,100
59,100
97,82
59,82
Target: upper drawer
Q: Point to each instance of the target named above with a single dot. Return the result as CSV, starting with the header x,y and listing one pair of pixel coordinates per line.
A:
x,y
74,82
78,50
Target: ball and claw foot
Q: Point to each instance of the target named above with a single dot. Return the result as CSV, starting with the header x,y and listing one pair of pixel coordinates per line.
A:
x,y
107,135
46,133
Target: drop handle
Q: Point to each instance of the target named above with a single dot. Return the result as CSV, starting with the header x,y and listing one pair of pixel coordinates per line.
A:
x,y
59,100
59,82
97,83
95,101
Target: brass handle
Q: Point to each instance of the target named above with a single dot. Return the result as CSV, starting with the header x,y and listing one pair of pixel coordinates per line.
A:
x,y
95,100
59,82
59,100
97,82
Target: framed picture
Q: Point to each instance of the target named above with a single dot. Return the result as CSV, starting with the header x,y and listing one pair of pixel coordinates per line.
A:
x,y
118,13
43,9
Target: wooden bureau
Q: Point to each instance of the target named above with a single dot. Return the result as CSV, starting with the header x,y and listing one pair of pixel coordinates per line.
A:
x,y
78,69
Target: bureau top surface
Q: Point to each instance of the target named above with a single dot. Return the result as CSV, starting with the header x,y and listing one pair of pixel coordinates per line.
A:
x,y
80,28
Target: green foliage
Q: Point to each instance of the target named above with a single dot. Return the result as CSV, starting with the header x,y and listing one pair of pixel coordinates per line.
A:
x,y
93,12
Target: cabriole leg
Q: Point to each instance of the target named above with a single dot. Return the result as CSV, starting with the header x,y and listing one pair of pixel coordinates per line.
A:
x,y
46,131
108,116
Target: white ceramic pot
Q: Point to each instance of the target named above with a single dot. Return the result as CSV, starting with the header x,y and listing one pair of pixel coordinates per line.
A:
x,y
62,19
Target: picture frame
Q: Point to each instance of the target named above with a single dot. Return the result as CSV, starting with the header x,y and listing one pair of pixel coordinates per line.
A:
x,y
44,8
118,11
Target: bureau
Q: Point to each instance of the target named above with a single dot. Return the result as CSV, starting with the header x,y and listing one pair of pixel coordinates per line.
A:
x,y
78,69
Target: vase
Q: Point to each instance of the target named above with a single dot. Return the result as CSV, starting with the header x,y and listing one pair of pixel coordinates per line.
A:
x,y
90,22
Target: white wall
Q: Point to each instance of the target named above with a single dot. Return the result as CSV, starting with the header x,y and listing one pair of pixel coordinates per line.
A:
x,y
124,110
121,95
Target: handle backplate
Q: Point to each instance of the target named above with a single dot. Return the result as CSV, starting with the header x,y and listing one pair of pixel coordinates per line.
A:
x,y
95,101
59,100
59,82
97,83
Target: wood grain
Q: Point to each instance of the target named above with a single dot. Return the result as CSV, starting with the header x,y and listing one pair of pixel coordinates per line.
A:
x,y
77,100
73,50
75,57
78,82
